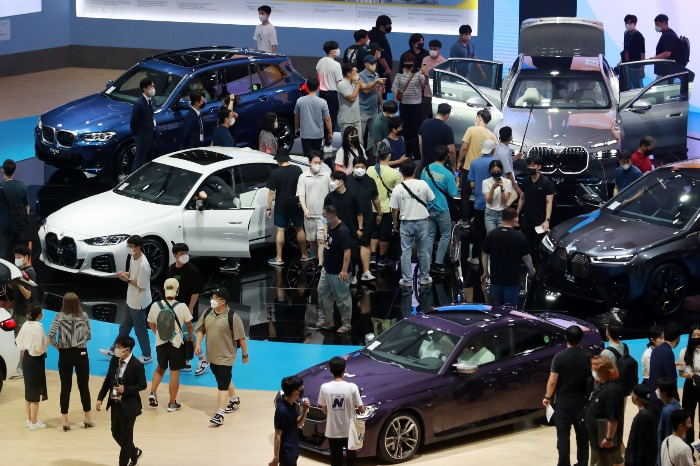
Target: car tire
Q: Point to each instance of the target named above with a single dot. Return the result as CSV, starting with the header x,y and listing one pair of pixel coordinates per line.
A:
x,y
666,289
399,438
284,132
124,162
158,258
291,238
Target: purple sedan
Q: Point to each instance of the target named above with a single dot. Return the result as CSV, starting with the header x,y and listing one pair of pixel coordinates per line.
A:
x,y
451,371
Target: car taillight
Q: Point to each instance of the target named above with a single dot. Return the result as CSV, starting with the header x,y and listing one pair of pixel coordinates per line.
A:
x,y
304,89
8,325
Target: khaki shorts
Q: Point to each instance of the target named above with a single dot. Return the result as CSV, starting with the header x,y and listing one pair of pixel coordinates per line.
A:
x,y
314,229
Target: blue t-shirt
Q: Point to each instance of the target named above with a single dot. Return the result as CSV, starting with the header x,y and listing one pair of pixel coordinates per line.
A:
x,y
222,137
434,132
445,180
369,103
624,178
478,172
460,51
398,147
286,421
665,428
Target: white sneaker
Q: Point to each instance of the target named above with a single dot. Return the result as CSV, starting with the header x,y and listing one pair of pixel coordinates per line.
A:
x,y
146,359
38,426
367,277
405,283
18,374
107,352
202,367
353,280
426,282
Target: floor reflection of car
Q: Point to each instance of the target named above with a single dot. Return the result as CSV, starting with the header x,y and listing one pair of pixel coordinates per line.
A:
x,y
448,372
565,103
93,134
9,354
642,246
160,203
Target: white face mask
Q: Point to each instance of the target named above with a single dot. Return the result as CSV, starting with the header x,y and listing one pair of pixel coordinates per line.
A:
x,y
214,303
657,28
658,393
19,262
119,352
151,92
131,251
433,53
316,168
626,166
629,27
359,172
335,52
333,185
595,375
185,258
263,18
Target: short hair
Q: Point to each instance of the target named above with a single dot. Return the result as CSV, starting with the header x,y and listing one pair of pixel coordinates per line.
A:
x,y
408,57
440,152
222,293
360,34
291,383
339,175
647,141
631,19
22,250
573,334
315,153
668,386
390,106
394,123
662,18
672,331
615,330
408,168
415,38
34,311
383,151
604,365
485,115
312,83
382,20
125,341
9,166
146,83
330,210
268,122
330,45
223,114
347,68
337,366
180,247
444,108
135,240
195,96
624,155
535,160
655,332
678,417
435,43
505,133
465,29
509,214
266,9
360,159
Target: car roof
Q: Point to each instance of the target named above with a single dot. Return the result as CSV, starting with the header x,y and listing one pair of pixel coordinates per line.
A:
x,y
201,57
692,164
467,315
214,158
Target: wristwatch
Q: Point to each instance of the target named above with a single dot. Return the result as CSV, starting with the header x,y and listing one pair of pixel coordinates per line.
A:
x,y
245,355
547,397
547,219
608,439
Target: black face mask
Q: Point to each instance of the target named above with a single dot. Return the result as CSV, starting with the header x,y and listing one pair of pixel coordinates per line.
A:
x,y
496,175
387,29
420,45
301,392
407,66
694,342
355,140
648,151
531,171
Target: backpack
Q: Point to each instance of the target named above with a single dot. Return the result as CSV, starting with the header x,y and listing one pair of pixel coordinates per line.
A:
x,y
167,321
230,317
682,52
628,368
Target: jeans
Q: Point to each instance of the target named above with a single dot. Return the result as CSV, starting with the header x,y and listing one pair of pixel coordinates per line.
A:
x,y
442,221
331,287
368,139
307,145
69,358
492,219
136,319
415,231
564,418
501,295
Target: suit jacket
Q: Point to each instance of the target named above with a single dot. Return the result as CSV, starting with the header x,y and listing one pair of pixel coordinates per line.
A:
x,y
142,117
134,381
190,130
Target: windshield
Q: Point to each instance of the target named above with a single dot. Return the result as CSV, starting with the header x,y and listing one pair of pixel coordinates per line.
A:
x,y
412,346
581,91
159,184
127,87
665,198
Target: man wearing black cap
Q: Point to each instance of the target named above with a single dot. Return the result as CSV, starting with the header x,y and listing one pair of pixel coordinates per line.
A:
x,y
378,36
370,100
641,444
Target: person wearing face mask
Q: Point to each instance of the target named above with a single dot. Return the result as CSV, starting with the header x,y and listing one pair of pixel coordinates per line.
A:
x,y
377,35
633,49
478,173
312,188
350,149
667,45
370,101
222,134
265,35
24,296
498,193
410,84
668,394
349,210
267,142
193,125
125,378
386,180
225,333
380,127
641,443
348,99
674,450
465,48
689,368
535,204
33,343
311,118
433,59
138,298
656,337
355,54
640,158
288,422
143,123
435,132
626,173
330,74
416,46
367,194
662,362
604,413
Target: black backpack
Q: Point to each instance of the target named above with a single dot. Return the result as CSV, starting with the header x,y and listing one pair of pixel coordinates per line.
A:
x,y
628,368
230,317
681,52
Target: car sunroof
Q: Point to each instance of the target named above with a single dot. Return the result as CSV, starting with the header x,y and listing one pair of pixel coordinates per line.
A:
x,y
465,318
201,157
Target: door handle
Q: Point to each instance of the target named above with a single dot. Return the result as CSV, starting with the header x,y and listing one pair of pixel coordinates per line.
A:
x,y
674,115
235,223
263,98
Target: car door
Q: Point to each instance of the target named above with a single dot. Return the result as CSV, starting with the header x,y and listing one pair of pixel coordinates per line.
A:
x,y
218,228
251,190
486,75
659,109
243,80
534,347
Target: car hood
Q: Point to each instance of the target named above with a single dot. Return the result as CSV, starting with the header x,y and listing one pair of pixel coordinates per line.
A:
x,y
106,214
92,113
562,37
547,128
602,234
377,381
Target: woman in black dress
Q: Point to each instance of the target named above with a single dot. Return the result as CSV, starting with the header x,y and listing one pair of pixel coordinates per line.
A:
x,y
33,341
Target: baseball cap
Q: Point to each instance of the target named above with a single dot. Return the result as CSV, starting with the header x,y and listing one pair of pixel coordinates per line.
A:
x,y
369,59
374,47
222,293
282,155
488,146
171,286
642,392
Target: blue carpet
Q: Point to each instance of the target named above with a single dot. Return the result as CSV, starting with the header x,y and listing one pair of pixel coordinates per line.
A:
x,y
17,138
269,361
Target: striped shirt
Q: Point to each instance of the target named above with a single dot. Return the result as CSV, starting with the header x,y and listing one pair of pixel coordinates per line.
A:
x,y
73,332
414,92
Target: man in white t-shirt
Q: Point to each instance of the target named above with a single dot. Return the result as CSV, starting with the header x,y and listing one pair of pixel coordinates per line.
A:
x,y
169,351
138,297
312,188
409,202
674,450
339,399
265,35
329,75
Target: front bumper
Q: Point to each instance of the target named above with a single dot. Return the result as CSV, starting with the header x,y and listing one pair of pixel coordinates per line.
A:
x,y
312,436
91,157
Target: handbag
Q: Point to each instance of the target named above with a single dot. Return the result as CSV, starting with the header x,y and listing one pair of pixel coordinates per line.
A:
x,y
187,345
356,436
451,203
399,94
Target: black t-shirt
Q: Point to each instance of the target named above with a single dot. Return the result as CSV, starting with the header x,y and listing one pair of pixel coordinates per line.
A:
x,y
641,447
667,42
506,248
364,188
573,366
283,181
433,133
607,402
19,303
536,192
378,37
190,282
13,198
348,207
338,241
355,54
634,46
419,58
286,421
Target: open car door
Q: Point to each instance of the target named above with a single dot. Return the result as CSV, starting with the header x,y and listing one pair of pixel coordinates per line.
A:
x,y
661,110
484,74
636,75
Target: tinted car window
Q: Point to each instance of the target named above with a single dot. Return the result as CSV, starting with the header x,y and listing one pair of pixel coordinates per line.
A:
x,y
271,74
487,347
220,191
249,178
127,87
527,339
582,90
159,184
237,80
454,88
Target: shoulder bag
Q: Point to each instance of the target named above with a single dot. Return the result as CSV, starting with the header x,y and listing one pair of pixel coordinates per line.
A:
x,y
420,201
451,203
399,94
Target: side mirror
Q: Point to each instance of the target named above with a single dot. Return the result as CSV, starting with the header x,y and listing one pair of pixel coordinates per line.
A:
x,y
465,369
587,198
477,102
641,105
109,84
182,104
199,205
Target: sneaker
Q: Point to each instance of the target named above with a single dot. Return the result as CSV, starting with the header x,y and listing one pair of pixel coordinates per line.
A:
x,y
188,367
373,260
29,422
217,419
405,283
426,281
437,269
202,367
473,261
107,352
38,426
230,268
275,263
464,224
233,404
367,277
174,407
343,330
153,400
146,359
309,257
353,280
384,262
18,374
137,456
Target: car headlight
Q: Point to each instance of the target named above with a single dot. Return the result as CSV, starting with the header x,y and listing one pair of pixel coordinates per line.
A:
x,y
547,243
617,260
98,137
106,240
369,412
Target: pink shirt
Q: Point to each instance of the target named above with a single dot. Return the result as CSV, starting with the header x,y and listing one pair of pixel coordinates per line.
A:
x,y
430,64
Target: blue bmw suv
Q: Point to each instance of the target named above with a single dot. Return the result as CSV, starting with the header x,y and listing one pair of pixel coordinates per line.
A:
x,y
92,134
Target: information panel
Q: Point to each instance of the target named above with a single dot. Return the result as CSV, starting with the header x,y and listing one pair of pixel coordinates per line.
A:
x,y
19,7
425,16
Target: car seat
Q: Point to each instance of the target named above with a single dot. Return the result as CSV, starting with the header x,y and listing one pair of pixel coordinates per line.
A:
x,y
530,97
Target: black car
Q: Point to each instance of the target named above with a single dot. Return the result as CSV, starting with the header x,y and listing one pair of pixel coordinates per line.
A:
x,y
641,246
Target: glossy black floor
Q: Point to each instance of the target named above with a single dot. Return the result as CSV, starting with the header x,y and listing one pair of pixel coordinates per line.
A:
x,y
278,304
